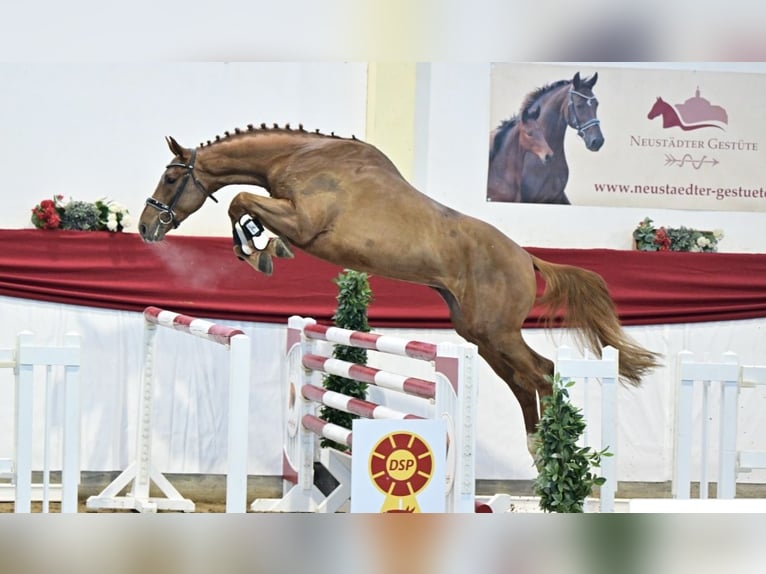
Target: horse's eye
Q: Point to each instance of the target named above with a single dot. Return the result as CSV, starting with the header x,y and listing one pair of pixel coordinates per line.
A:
x,y
169,179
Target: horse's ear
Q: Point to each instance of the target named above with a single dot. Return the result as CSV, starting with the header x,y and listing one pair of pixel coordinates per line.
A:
x,y
576,81
176,148
592,81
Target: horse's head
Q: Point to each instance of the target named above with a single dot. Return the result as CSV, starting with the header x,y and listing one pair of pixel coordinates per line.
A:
x,y
174,199
657,108
532,135
581,111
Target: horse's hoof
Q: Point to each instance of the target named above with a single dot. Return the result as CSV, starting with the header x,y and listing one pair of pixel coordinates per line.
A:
x,y
264,263
282,248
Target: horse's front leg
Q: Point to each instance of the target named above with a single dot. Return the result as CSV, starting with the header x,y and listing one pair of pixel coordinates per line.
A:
x,y
259,226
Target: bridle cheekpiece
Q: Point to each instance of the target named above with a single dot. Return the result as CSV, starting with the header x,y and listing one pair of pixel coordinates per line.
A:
x,y
575,122
167,216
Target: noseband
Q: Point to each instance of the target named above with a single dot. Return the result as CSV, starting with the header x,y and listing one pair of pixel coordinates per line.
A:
x,y
575,122
167,216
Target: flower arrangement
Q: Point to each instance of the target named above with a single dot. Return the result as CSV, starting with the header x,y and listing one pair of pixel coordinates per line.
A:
x,y
649,238
59,213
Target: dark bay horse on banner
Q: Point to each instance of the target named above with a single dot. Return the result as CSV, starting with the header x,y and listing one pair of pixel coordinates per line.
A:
x,y
563,104
509,145
344,201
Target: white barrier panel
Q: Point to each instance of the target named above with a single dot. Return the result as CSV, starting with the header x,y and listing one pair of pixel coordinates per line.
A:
x,y
606,369
730,377
24,360
141,472
452,394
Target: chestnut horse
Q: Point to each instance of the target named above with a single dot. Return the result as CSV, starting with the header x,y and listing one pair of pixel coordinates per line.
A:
x,y
509,145
344,201
563,104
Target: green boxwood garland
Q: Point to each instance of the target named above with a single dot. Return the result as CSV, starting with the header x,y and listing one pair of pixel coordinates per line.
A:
x,y
565,476
354,297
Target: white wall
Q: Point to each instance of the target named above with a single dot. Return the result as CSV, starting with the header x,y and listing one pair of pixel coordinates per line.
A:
x,y
88,130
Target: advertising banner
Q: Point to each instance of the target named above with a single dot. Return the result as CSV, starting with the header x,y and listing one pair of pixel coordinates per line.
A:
x,y
610,136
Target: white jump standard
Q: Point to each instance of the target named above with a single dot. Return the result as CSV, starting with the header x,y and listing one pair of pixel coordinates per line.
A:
x,y
141,471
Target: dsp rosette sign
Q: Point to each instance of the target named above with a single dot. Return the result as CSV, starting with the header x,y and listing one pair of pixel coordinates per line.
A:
x,y
398,466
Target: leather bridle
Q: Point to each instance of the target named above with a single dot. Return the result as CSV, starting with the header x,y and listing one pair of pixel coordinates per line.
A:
x,y
167,216
574,120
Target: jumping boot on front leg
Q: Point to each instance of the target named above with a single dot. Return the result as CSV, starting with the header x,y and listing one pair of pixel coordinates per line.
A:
x,y
252,244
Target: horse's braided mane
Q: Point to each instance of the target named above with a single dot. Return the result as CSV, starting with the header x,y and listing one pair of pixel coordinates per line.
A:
x,y
274,128
533,96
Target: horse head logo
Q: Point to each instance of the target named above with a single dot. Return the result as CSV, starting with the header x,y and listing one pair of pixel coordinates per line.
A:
x,y
695,113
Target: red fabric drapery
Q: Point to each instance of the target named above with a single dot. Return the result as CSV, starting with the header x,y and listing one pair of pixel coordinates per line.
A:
x,y
200,276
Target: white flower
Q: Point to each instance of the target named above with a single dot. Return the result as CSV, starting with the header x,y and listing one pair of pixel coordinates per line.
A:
x,y
111,224
125,221
718,234
703,241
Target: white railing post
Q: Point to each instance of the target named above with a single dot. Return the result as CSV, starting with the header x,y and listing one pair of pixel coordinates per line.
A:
x,y
23,425
70,472
725,373
682,436
607,370
27,357
727,444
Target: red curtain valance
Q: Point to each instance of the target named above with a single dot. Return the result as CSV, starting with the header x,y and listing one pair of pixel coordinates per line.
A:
x,y
200,276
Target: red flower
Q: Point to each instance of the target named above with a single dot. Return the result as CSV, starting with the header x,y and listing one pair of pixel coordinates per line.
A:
x,y
52,221
661,238
45,215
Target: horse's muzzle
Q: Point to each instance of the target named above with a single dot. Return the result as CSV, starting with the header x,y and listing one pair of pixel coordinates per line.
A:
x,y
596,143
151,233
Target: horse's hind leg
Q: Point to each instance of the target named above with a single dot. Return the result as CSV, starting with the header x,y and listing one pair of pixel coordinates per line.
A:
x,y
525,372
250,216
529,409
540,376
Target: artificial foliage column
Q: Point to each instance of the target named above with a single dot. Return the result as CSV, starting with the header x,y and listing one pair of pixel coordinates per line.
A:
x,y
566,474
354,297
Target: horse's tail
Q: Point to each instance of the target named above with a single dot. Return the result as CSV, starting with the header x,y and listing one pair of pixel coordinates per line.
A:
x,y
582,301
